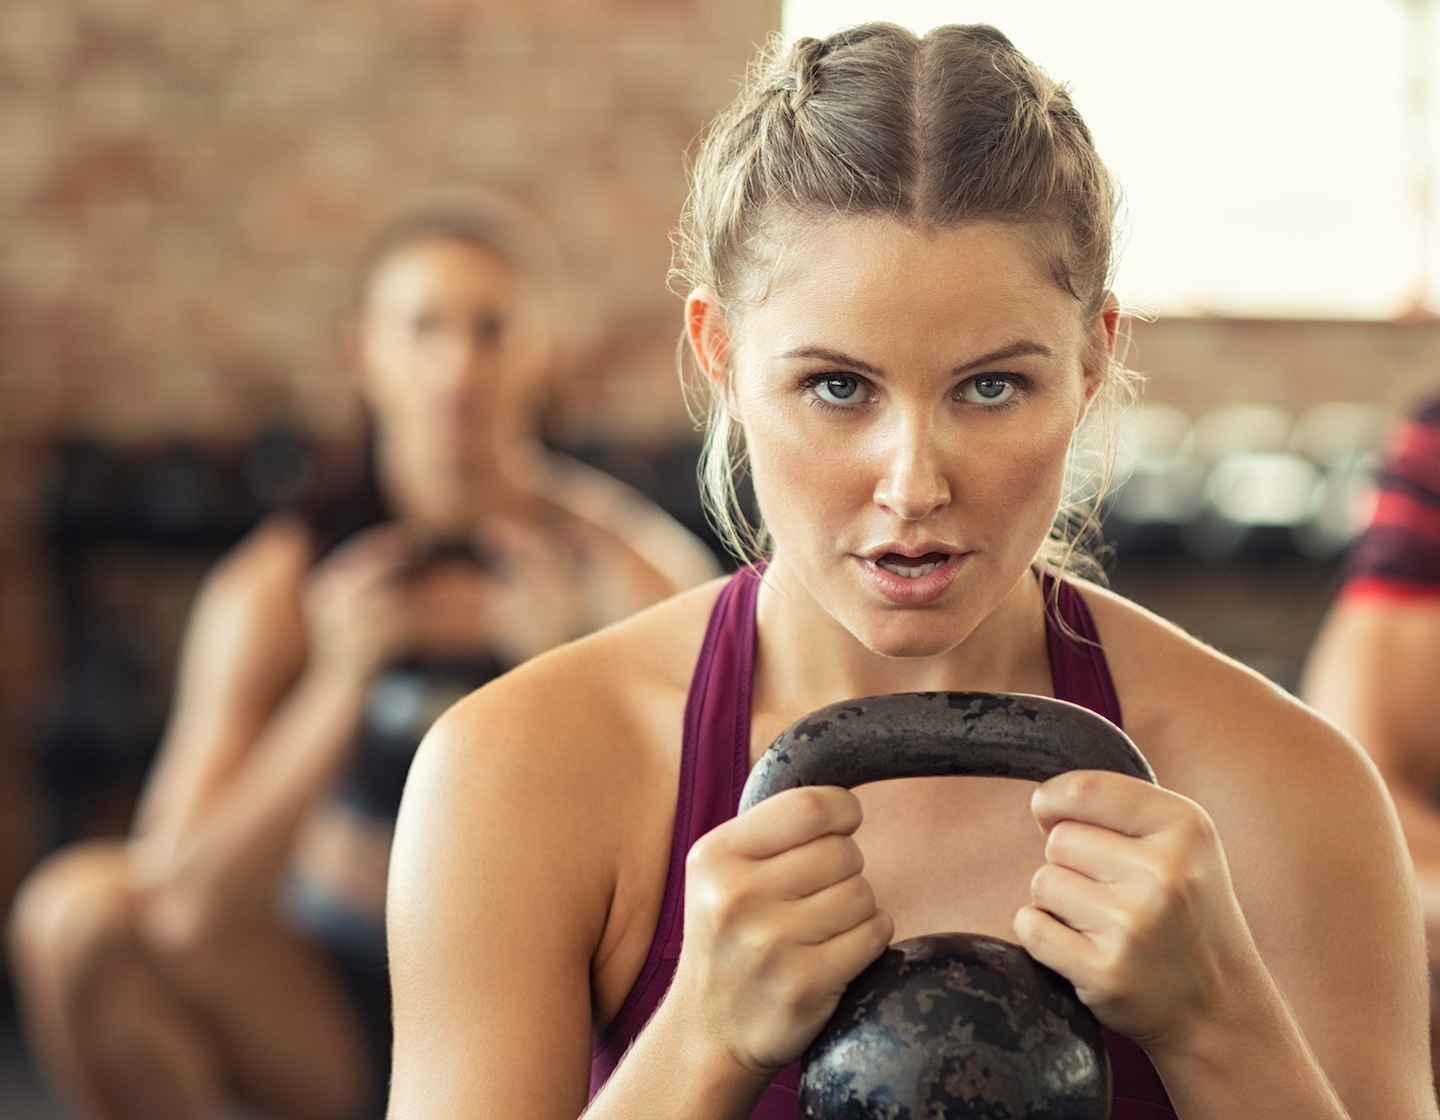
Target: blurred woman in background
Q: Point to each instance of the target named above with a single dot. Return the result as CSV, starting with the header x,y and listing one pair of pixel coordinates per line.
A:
x,y
233,946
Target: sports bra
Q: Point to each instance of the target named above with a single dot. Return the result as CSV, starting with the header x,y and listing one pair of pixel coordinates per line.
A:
x,y
715,761
406,698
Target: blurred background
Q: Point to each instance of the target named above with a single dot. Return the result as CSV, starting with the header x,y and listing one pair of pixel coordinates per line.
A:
x,y
187,186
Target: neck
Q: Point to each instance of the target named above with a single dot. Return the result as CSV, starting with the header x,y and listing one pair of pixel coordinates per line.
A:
x,y
451,492
806,658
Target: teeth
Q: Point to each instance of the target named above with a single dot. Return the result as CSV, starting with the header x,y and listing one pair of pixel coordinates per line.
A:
x,y
909,571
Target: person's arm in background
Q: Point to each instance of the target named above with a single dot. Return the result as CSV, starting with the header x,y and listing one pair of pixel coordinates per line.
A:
x,y
1375,670
274,667
1374,667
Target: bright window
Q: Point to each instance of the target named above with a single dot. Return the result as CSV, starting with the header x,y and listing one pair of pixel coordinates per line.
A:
x,y
1270,151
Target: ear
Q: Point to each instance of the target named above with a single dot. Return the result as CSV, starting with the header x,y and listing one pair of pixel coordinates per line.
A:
x,y
1101,351
709,336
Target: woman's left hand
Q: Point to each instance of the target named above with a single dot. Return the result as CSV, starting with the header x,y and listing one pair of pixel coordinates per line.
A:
x,y
1134,905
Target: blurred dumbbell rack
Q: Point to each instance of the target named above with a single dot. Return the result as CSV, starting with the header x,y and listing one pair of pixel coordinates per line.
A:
x,y
1234,524
130,532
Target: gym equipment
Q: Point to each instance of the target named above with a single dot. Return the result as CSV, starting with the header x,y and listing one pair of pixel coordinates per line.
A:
x,y
952,1025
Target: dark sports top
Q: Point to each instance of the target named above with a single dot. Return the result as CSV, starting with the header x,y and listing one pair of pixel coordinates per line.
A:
x,y
1398,555
406,698
714,763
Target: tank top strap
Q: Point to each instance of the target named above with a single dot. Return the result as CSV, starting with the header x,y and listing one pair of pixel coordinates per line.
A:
x,y
715,758
1079,671
714,763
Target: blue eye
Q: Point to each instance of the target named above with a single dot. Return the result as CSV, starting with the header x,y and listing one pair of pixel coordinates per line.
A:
x,y
837,390
988,389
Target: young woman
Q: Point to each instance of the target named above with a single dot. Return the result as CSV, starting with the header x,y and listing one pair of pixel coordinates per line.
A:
x,y
234,946
898,251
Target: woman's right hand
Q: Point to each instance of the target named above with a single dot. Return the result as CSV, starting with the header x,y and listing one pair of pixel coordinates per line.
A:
x,y
356,604
778,920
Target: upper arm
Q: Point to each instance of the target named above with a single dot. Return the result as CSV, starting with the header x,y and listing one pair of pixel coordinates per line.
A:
x,y
243,646
1333,907
1321,873
1372,669
501,876
1314,849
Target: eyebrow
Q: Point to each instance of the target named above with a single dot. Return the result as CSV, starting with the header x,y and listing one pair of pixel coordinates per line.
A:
x,y
1021,349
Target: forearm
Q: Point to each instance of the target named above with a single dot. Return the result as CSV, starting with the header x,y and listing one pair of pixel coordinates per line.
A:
x,y
667,1074
1253,1062
228,857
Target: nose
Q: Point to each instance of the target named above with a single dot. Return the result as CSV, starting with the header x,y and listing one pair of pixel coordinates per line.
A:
x,y
913,484
454,358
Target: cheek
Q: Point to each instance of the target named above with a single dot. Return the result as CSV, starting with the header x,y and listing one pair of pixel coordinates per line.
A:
x,y
787,470
380,378
1025,469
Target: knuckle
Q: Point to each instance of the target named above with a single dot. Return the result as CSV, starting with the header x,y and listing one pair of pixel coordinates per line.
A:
x,y
1034,932
723,906
702,857
758,942
1113,973
1133,922
1197,828
1150,910
849,859
1042,883
1062,840
809,806
855,902
1083,785
705,848
880,928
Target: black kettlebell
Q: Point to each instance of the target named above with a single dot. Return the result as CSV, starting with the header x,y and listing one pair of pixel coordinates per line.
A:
x,y
952,1025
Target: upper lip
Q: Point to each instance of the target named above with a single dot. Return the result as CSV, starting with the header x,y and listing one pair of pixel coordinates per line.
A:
x,y
912,551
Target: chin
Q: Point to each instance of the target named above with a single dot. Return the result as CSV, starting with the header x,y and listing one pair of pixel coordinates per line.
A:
x,y
915,638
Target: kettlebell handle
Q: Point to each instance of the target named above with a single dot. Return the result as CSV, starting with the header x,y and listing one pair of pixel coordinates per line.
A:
x,y
941,734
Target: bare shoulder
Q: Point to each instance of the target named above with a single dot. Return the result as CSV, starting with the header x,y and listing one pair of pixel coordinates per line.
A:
x,y
597,720
624,517
246,619
548,796
1281,782
1178,693
264,569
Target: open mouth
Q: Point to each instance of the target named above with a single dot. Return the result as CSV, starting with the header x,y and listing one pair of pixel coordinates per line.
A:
x,y
912,567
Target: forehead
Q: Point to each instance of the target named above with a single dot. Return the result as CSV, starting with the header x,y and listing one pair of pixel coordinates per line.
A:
x,y
439,268
874,275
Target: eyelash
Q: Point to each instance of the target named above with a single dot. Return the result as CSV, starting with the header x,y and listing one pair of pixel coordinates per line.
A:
x,y
811,383
1017,383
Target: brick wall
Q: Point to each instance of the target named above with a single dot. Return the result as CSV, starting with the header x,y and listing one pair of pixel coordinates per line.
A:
x,y
1197,364
185,186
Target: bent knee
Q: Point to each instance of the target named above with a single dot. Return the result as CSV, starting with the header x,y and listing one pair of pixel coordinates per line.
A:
x,y
71,905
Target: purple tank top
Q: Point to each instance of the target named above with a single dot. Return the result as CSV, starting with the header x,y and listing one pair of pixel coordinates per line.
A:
x,y
714,763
